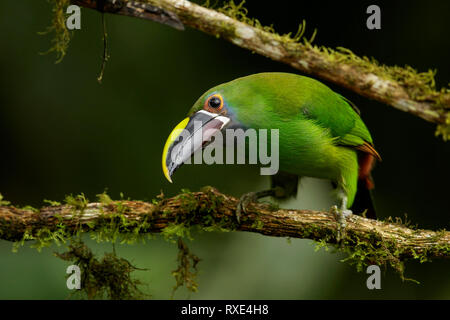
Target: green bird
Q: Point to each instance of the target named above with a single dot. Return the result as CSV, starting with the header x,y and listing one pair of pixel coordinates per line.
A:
x,y
321,135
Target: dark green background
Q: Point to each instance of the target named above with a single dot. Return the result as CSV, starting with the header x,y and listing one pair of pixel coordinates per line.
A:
x,y
61,132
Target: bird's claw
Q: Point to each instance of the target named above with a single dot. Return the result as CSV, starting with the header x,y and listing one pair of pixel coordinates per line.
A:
x,y
243,202
340,215
346,213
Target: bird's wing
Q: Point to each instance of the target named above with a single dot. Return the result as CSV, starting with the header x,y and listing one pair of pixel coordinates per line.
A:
x,y
358,136
342,118
291,96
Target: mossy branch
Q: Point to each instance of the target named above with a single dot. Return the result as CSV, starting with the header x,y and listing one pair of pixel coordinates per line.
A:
x,y
366,242
401,87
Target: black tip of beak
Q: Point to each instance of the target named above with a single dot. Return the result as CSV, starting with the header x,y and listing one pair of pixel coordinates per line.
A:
x,y
172,167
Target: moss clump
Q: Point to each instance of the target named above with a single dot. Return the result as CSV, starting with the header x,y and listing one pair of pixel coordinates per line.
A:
x,y
105,199
198,211
43,236
78,202
176,230
240,13
444,129
52,203
421,86
110,227
372,249
401,222
258,224
117,226
3,202
188,202
108,277
186,272
62,35
207,208
362,252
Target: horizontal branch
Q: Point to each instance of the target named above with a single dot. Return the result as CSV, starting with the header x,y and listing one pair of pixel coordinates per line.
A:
x,y
365,239
402,88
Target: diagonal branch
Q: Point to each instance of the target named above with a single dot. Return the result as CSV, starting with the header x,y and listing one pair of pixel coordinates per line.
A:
x,y
137,9
367,241
402,88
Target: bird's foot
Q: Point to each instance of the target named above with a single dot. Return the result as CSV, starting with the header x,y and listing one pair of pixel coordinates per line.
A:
x,y
243,203
340,215
250,197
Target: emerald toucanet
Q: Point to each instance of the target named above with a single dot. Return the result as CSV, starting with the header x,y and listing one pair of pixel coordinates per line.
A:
x,y
320,134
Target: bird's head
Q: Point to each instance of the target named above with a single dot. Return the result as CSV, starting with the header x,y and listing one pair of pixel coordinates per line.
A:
x,y
242,103
209,115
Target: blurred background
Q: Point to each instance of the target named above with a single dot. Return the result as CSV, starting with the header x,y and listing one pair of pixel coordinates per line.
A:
x,y
62,132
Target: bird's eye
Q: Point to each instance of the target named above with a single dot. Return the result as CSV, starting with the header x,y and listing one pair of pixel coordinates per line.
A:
x,y
214,103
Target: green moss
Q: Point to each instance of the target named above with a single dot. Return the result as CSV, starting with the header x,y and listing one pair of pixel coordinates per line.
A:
x,y
401,222
62,35
78,202
175,231
240,13
104,199
26,237
315,232
321,244
109,227
444,129
186,272
258,224
371,249
420,86
52,203
274,206
118,227
109,277
197,212
362,252
30,208
188,201
44,237
3,202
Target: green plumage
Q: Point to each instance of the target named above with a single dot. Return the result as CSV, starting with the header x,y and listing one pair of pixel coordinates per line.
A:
x,y
319,129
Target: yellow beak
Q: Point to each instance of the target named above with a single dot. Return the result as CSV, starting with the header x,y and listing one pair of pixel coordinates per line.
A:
x,y
190,135
172,137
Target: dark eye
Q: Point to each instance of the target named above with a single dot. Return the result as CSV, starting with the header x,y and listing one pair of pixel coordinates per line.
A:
x,y
214,102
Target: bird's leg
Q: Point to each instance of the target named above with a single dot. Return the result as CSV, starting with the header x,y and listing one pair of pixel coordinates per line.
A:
x,y
250,197
341,214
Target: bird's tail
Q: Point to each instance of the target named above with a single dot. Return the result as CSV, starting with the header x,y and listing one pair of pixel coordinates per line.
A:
x,y
363,199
